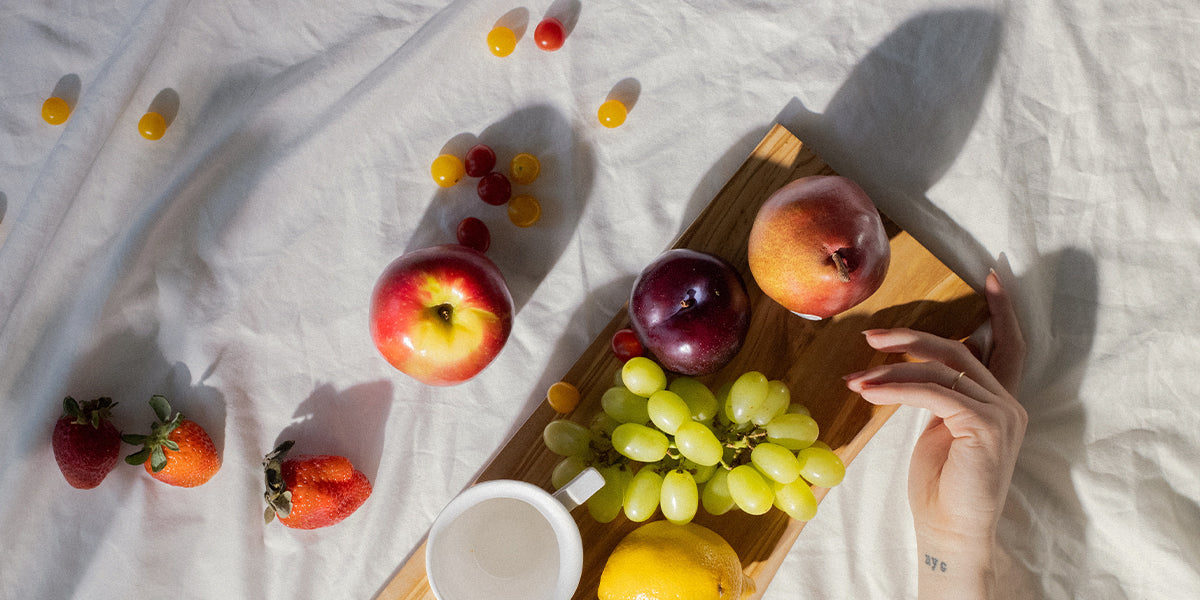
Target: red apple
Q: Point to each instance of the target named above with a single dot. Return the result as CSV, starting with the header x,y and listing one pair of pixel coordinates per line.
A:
x,y
441,314
691,310
818,246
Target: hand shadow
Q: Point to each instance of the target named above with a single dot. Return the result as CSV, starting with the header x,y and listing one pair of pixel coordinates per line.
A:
x,y
896,126
1045,527
524,254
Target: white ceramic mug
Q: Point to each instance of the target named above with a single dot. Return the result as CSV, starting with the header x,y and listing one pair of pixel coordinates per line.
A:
x,y
509,540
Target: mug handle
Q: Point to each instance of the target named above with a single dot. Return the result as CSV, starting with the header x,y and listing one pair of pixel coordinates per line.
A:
x,y
580,488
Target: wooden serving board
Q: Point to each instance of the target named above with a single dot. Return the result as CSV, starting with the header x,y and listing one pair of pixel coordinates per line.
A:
x,y
809,356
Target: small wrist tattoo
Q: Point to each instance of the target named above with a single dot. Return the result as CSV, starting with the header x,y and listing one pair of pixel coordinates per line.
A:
x,y
935,564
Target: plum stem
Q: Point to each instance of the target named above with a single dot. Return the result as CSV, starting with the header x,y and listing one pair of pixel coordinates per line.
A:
x,y
842,269
689,301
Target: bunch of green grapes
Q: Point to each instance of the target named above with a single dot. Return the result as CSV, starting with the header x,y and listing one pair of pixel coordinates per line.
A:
x,y
676,446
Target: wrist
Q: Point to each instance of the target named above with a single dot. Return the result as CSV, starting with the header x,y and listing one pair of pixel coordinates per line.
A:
x,y
962,571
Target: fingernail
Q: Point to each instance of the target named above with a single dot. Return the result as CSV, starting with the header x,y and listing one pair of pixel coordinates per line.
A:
x,y
854,375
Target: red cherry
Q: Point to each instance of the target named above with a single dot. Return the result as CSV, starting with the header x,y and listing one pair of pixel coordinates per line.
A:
x,y
550,34
480,160
625,345
494,188
474,233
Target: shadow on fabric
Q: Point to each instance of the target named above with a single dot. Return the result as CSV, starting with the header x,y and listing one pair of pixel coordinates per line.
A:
x,y
525,255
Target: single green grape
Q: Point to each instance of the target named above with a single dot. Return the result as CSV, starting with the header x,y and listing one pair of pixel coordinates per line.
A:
x,y
820,466
624,406
700,473
643,376
638,442
749,490
699,398
794,431
747,396
566,438
776,462
679,497
567,469
725,411
798,409
668,411
697,443
642,494
603,424
715,497
774,404
605,504
796,499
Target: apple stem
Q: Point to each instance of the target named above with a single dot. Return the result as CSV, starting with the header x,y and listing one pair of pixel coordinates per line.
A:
x,y
444,311
842,269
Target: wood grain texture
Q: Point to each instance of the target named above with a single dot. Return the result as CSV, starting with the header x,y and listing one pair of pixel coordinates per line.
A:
x,y
810,357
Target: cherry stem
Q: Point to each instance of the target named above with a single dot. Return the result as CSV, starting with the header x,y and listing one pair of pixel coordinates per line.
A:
x,y
843,270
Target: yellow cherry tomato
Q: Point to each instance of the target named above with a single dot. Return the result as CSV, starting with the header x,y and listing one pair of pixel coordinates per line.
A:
x,y
55,110
562,397
524,168
447,169
501,41
152,126
524,210
612,113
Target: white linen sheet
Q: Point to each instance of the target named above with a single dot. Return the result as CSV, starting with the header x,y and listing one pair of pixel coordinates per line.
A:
x,y
228,264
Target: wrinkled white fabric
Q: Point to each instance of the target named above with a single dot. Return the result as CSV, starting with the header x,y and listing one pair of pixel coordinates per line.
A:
x,y
229,264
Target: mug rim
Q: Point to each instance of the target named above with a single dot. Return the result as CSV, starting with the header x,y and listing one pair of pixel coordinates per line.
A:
x,y
566,531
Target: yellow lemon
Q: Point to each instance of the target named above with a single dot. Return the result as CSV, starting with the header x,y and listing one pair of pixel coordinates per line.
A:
x,y
665,561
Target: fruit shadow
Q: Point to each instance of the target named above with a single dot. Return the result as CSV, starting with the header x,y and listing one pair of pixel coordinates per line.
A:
x,y
176,227
567,12
347,423
129,367
524,254
68,88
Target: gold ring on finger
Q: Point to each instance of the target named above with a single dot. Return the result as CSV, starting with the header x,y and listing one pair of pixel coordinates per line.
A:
x,y
954,385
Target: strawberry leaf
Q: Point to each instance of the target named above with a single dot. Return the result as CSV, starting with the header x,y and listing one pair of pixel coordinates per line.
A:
x,y
162,408
158,459
138,458
71,407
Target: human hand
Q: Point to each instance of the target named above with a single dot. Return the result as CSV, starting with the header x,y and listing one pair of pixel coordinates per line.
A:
x,y
963,462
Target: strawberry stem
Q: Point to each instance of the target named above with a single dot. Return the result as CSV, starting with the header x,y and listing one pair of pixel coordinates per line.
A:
x,y
160,431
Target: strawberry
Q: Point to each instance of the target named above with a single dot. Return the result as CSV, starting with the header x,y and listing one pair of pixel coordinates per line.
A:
x,y
177,451
311,491
86,444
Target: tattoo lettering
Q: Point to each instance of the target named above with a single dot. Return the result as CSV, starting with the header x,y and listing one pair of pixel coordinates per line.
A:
x,y
935,564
